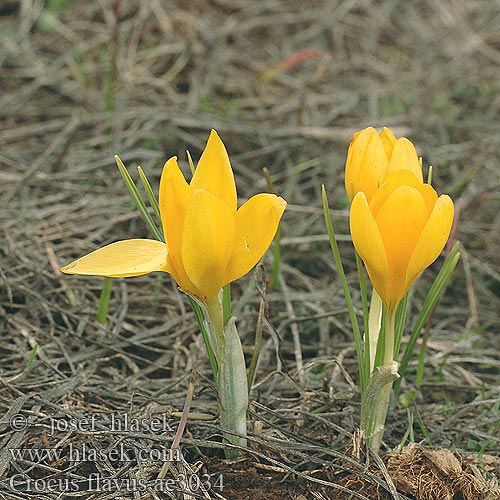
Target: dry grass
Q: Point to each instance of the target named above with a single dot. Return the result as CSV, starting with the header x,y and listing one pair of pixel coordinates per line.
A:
x,y
285,84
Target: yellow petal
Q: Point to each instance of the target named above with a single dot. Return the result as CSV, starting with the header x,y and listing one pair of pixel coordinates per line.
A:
x,y
175,193
430,196
356,134
401,220
366,163
392,182
388,140
256,224
122,259
432,239
404,156
207,242
369,244
214,173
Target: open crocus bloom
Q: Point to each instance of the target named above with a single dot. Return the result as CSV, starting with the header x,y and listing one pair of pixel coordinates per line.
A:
x,y
400,232
372,157
209,242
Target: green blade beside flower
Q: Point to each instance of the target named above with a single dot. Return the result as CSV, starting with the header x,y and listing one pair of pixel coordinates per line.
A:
x,y
151,196
433,296
358,341
138,201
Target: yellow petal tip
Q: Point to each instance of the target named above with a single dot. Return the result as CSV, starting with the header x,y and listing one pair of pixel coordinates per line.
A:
x,y
66,269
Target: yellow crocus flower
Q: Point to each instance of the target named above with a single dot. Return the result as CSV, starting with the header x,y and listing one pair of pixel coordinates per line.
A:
x,y
372,157
209,242
399,232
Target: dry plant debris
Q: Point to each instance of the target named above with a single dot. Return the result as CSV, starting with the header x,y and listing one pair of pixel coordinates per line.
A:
x,y
285,84
430,474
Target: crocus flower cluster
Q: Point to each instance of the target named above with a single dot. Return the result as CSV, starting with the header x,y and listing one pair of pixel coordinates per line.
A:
x,y
398,224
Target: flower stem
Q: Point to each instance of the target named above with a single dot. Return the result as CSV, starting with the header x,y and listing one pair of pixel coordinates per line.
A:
x,y
389,335
375,399
216,317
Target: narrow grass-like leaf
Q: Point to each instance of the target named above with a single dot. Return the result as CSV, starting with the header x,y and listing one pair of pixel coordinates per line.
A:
x,y
277,237
409,434
151,196
363,289
421,425
102,309
358,341
226,302
31,358
379,355
260,282
71,297
423,348
138,201
435,292
277,258
419,377
190,161
366,312
256,346
200,318
399,327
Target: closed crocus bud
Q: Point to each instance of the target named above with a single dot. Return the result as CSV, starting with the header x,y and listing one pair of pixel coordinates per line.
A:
x,y
372,157
399,232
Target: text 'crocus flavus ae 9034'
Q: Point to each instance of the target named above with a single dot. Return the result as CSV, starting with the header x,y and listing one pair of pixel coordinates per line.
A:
x,y
372,157
400,232
209,242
